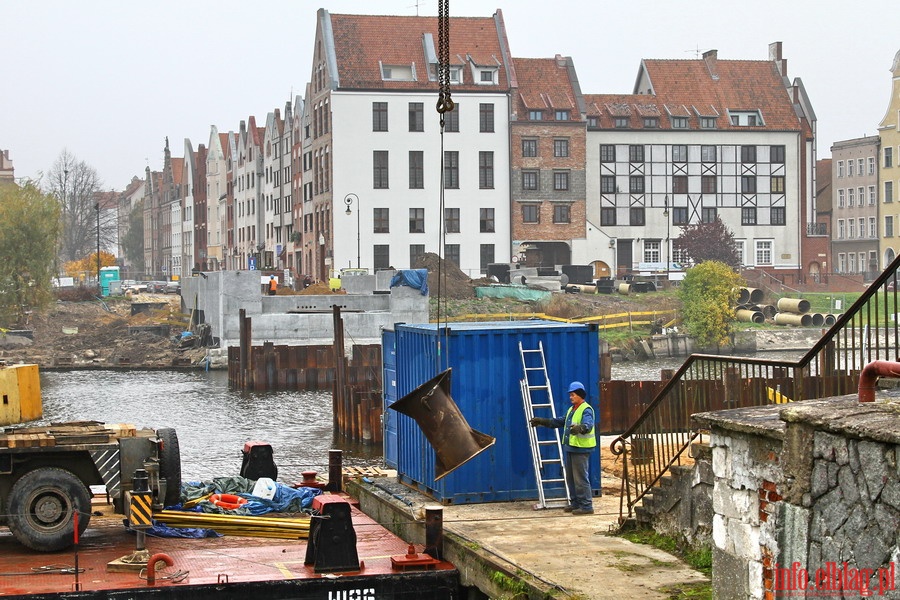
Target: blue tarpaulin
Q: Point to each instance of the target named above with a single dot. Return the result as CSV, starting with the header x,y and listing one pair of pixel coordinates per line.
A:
x,y
414,278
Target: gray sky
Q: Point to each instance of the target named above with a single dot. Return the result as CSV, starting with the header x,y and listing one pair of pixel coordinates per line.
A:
x,y
109,80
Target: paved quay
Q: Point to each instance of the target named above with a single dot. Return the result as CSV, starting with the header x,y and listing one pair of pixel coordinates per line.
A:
x,y
551,552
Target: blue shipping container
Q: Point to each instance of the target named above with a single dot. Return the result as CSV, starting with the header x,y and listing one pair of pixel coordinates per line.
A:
x,y
486,370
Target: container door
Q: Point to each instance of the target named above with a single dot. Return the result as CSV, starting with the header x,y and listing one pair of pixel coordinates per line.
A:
x,y
389,377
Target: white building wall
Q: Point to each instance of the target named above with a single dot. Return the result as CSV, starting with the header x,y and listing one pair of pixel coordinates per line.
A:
x,y
215,201
658,170
353,146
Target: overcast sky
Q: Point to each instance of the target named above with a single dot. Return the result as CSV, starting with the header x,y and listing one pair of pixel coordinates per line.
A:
x,y
109,80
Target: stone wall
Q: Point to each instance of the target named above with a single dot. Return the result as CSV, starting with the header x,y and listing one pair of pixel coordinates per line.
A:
x,y
807,492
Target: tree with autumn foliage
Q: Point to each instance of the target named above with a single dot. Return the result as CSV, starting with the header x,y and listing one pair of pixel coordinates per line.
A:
x,y
88,264
708,293
701,242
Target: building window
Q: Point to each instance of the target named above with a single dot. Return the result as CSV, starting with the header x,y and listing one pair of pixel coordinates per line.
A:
x,y
451,119
416,170
679,122
417,220
777,215
871,195
636,216
486,170
562,115
651,123
380,170
748,215
748,154
842,262
487,76
487,256
840,168
708,154
451,253
561,148
561,213
379,116
529,180
776,184
486,118
748,184
888,157
840,229
776,154
679,184
859,166
636,184
850,168
707,122
529,148
888,191
851,228
841,201
486,220
873,228
381,255
621,122
679,215
451,220
679,153
451,169
593,121
871,165
635,154
607,216
889,226
651,251
608,184
763,252
708,184
607,153
416,116
709,214
535,115
381,220
531,213
560,180
416,252
851,197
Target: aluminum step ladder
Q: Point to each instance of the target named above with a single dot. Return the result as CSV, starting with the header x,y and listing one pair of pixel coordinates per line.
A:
x,y
546,449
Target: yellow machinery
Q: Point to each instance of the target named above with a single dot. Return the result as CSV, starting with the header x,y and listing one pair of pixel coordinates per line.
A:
x,y
20,394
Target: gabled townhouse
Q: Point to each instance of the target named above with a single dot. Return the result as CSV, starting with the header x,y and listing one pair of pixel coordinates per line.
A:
x,y
216,194
232,256
377,157
297,240
248,195
889,172
183,222
548,187
854,178
278,222
152,203
201,213
696,140
168,232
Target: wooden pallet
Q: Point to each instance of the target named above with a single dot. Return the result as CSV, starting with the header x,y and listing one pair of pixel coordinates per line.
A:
x,y
61,434
360,472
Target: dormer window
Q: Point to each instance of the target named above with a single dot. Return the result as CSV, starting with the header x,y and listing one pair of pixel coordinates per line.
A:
x,y
745,118
562,115
679,123
456,75
487,76
398,72
651,123
535,115
707,122
621,122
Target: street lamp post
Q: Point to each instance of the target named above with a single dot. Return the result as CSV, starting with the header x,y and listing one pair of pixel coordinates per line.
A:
x,y
348,201
666,215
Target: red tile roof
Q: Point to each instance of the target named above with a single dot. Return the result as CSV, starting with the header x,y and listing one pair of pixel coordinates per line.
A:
x,y
688,88
363,43
543,84
177,170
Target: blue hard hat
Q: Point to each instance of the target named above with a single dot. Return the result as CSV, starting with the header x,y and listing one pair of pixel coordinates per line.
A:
x,y
575,386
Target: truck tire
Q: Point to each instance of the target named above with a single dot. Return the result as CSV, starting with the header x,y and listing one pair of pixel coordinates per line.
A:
x,y
170,465
41,504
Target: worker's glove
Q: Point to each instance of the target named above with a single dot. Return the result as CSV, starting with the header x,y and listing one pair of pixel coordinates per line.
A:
x,y
535,421
579,429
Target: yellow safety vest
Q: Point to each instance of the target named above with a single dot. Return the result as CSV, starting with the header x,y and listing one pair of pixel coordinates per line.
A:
x,y
586,440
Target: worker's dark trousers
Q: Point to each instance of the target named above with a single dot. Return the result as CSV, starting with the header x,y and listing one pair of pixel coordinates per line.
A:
x,y
577,479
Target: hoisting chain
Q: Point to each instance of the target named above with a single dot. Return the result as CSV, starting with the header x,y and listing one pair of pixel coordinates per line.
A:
x,y
444,103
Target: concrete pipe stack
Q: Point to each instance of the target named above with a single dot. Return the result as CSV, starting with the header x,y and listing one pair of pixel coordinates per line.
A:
x,y
750,295
795,311
749,316
786,318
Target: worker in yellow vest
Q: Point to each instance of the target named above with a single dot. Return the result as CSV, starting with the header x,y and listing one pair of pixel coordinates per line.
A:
x,y
578,443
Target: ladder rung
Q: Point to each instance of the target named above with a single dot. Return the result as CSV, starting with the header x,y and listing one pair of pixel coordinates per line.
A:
x,y
534,368
551,480
550,461
524,351
538,387
546,442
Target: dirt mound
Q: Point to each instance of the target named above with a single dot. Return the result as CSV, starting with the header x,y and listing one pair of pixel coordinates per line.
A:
x,y
445,279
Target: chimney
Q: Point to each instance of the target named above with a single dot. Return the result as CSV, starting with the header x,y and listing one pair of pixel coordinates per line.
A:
x,y
776,57
560,60
711,57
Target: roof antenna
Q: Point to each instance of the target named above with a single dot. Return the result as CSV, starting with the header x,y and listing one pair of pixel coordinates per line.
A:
x,y
697,51
417,4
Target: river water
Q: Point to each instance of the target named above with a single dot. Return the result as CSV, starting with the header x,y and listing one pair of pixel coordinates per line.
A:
x,y
213,422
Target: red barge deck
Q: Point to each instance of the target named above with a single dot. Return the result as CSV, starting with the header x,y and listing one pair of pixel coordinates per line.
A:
x,y
223,568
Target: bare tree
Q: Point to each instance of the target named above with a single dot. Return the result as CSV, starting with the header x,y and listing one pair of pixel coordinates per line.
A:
x,y
77,187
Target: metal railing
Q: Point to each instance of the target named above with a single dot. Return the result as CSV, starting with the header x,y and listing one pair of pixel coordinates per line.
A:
x,y
657,440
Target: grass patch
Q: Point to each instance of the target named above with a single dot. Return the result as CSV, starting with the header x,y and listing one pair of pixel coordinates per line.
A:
x,y
700,590
699,558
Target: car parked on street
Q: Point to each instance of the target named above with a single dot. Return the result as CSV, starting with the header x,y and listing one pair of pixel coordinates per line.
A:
x,y
156,287
173,287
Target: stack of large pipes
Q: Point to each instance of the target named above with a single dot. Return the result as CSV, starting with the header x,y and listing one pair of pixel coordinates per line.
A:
x,y
748,309
794,311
